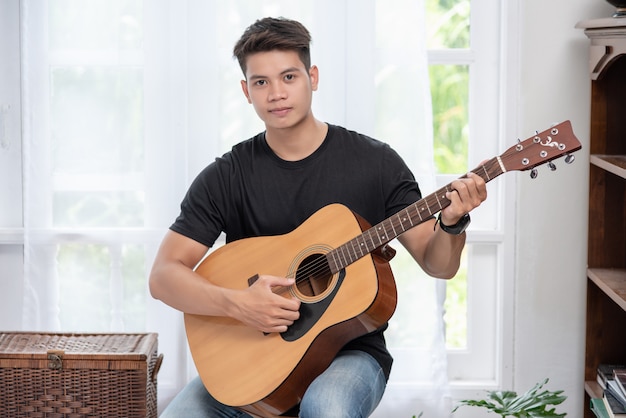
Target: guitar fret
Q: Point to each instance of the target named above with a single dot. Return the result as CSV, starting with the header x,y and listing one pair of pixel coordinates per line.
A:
x,y
486,173
333,254
338,262
380,242
393,229
353,250
343,253
367,247
342,257
355,246
359,245
369,232
418,213
401,222
437,197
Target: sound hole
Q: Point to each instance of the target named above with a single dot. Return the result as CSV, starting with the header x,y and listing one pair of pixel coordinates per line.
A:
x,y
313,275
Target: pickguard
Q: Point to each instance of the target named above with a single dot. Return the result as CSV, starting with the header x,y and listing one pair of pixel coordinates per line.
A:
x,y
310,313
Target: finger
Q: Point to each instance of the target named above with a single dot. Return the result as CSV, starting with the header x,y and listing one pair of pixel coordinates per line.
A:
x,y
471,191
289,315
461,202
277,329
287,300
274,281
458,193
280,324
479,183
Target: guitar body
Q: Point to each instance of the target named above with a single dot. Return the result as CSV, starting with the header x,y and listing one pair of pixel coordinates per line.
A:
x,y
267,374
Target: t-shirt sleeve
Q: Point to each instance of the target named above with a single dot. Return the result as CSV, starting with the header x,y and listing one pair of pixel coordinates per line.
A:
x,y
202,210
401,188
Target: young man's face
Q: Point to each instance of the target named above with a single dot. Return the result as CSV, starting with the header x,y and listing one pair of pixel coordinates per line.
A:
x,y
279,88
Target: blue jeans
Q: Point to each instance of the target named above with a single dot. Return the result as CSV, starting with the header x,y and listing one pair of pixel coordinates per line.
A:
x,y
351,387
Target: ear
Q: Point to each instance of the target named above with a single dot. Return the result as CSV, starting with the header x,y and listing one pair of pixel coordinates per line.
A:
x,y
314,75
244,88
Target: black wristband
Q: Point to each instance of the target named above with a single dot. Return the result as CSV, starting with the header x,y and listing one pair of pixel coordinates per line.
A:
x,y
458,228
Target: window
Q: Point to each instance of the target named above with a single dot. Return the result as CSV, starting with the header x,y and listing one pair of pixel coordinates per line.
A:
x,y
464,82
464,41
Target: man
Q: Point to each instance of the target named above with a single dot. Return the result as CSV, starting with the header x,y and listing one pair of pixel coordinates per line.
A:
x,y
269,185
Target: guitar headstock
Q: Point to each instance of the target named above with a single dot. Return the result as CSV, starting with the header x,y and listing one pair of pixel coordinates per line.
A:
x,y
541,148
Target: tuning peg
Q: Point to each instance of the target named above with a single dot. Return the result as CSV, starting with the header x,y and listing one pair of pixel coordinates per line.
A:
x,y
569,158
534,173
552,166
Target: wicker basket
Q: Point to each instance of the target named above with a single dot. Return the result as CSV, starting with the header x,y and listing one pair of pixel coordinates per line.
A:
x,y
78,375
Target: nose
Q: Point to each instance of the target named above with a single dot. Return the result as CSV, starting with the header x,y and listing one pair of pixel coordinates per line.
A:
x,y
277,92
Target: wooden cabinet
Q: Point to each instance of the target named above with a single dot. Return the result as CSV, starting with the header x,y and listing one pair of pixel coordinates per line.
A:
x,y
606,274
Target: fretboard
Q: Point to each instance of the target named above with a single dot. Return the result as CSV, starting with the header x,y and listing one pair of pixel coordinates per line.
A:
x,y
392,227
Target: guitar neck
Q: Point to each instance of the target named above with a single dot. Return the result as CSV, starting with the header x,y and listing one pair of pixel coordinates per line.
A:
x,y
392,227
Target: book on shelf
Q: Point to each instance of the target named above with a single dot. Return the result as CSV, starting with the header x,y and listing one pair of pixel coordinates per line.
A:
x,y
613,407
598,408
605,371
613,388
619,375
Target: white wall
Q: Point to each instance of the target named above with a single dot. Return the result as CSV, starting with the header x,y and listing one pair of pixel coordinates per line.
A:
x,y
550,281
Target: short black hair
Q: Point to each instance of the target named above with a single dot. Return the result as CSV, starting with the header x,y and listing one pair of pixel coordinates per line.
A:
x,y
270,34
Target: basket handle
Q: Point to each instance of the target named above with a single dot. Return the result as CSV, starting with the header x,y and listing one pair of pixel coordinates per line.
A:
x,y
55,359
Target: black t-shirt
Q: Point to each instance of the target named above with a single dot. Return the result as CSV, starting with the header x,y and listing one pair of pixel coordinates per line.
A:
x,y
250,192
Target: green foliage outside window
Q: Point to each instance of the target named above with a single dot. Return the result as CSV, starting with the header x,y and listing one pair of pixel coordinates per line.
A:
x,y
449,90
448,27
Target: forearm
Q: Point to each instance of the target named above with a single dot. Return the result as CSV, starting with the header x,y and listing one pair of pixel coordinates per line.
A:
x,y
442,255
437,250
256,306
185,290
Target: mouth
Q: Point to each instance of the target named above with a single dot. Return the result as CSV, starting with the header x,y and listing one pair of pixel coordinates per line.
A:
x,y
280,111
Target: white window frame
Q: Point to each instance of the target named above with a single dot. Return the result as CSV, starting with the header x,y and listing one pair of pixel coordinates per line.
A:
x,y
493,44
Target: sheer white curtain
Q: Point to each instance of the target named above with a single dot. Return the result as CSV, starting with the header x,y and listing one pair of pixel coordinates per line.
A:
x,y
126,101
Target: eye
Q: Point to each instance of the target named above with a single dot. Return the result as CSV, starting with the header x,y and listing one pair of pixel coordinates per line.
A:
x,y
290,77
260,83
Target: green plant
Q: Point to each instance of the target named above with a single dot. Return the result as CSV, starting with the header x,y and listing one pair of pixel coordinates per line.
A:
x,y
532,404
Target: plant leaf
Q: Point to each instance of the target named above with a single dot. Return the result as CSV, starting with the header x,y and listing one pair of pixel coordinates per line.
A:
x,y
532,404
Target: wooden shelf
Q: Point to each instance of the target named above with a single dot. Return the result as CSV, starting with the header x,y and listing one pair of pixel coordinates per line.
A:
x,y
612,282
615,164
606,252
593,389
608,41
607,22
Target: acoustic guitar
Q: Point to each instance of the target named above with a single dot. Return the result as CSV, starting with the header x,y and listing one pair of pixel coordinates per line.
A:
x,y
343,278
